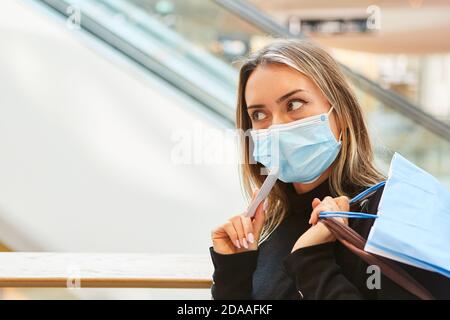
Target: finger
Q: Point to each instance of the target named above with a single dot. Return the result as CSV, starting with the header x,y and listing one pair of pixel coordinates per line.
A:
x,y
328,200
232,234
328,204
237,224
331,203
315,202
259,218
248,228
316,212
344,221
343,203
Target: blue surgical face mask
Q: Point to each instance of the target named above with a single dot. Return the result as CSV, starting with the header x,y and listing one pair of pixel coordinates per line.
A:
x,y
301,150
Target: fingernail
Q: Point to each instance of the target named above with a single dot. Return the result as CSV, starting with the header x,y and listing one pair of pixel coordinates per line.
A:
x,y
244,242
265,204
237,244
250,237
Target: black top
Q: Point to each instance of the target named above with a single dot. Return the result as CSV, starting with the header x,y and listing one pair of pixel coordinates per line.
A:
x,y
324,271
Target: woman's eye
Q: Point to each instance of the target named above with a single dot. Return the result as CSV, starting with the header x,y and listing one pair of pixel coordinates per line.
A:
x,y
258,116
295,104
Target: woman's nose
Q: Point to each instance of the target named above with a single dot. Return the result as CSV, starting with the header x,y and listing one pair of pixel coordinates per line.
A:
x,y
281,119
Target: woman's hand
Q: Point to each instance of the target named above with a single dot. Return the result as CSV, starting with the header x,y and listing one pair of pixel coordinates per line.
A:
x,y
239,233
319,233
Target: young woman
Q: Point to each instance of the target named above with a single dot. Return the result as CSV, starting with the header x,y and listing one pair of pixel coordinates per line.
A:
x,y
325,157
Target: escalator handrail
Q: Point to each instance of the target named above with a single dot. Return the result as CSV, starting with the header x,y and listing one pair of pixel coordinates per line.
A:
x,y
392,99
219,103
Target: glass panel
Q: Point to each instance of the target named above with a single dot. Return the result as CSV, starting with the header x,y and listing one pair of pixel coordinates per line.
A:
x,y
415,71
206,24
209,38
391,131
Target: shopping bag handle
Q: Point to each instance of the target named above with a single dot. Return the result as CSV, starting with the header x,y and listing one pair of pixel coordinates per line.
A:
x,y
355,243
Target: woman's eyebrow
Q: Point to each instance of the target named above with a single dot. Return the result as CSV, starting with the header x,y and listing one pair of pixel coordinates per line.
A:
x,y
287,95
279,100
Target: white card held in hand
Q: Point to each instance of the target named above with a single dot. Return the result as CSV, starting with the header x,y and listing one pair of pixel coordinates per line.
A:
x,y
262,193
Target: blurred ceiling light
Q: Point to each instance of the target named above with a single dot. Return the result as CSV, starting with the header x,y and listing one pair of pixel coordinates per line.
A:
x,y
415,3
164,7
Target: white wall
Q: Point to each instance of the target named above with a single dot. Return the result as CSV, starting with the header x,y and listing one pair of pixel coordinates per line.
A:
x,y
435,84
85,149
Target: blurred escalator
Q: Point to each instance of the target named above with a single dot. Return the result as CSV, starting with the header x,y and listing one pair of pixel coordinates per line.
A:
x,y
194,44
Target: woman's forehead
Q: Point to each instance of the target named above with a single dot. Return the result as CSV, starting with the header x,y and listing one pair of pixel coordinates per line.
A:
x,y
274,80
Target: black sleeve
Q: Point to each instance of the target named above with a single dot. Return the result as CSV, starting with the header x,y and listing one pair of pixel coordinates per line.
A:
x,y
233,274
317,275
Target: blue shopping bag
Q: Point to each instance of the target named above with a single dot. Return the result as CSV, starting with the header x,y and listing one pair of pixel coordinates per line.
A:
x,y
412,225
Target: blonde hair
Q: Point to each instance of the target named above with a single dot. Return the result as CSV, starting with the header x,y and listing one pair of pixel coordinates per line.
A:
x,y
353,169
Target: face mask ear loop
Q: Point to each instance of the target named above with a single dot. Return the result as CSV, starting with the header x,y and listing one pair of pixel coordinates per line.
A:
x,y
329,111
